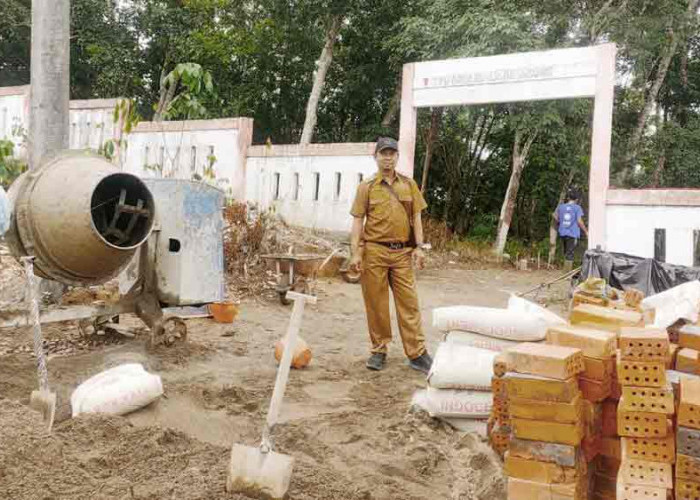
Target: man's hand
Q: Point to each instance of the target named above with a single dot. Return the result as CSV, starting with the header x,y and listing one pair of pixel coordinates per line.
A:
x,y
419,258
356,263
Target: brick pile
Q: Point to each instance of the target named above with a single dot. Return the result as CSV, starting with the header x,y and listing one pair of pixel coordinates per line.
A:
x,y
687,480
499,425
544,459
645,415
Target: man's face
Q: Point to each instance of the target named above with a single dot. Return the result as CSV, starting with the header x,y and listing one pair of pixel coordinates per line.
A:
x,y
386,159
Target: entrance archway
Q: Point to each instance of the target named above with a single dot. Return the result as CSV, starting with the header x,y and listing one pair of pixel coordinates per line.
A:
x,y
526,76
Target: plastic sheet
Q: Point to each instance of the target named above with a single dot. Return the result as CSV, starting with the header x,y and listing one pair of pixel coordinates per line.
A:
x,y
625,271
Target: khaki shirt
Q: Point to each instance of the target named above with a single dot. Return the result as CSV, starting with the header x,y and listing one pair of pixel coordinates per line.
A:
x,y
386,216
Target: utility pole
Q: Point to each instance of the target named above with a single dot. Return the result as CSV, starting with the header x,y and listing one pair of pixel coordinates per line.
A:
x,y
50,67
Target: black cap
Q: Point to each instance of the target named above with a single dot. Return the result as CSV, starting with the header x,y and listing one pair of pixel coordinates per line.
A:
x,y
386,143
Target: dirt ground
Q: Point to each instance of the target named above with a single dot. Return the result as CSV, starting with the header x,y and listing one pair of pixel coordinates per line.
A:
x,y
352,432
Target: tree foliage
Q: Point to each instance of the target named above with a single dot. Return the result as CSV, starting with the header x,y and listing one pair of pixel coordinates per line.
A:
x,y
257,58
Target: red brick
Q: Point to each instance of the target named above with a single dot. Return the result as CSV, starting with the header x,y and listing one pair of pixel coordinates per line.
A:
x,y
545,360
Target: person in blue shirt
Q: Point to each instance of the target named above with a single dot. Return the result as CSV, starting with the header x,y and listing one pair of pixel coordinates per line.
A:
x,y
569,219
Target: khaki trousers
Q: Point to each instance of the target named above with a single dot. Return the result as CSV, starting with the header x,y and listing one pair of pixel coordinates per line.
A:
x,y
383,268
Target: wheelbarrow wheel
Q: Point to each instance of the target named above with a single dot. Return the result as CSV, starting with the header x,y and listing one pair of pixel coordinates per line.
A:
x,y
283,298
350,276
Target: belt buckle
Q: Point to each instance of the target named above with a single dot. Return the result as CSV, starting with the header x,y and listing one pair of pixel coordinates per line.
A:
x,y
396,246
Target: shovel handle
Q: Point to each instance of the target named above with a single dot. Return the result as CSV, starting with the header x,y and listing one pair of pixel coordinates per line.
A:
x,y
286,361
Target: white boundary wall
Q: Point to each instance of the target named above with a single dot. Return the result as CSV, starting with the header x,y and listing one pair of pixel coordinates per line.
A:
x,y
91,121
311,186
634,215
181,149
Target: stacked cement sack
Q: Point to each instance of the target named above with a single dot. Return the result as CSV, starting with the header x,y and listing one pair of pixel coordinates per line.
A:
x,y
459,383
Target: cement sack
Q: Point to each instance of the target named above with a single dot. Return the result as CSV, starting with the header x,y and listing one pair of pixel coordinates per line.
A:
x,y
117,391
679,302
479,341
4,212
454,403
461,366
522,321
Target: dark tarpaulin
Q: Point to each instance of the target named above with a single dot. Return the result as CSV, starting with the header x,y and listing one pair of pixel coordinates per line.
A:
x,y
623,271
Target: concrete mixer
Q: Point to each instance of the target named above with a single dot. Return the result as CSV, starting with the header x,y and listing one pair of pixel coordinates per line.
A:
x,y
85,222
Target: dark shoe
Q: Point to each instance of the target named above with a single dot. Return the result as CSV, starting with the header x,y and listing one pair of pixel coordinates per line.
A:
x,y
376,361
422,363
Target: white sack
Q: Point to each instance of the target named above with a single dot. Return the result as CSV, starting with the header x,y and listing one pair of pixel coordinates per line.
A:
x,y
117,391
679,302
460,366
479,341
4,212
522,321
454,403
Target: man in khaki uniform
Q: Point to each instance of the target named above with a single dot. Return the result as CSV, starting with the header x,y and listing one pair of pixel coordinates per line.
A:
x,y
387,218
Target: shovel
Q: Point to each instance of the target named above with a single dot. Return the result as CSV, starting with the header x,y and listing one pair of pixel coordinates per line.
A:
x,y
42,400
261,470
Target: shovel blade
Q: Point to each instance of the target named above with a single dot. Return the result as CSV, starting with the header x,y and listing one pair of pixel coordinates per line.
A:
x,y
44,402
254,471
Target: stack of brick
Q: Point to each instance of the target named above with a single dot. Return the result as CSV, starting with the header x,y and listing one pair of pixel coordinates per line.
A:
x,y
600,370
499,425
645,415
688,353
688,440
544,458
598,348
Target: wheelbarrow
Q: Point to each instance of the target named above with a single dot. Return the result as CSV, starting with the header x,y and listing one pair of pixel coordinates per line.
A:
x,y
295,272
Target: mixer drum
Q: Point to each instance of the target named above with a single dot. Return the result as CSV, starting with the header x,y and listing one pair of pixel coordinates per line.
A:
x,y
80,217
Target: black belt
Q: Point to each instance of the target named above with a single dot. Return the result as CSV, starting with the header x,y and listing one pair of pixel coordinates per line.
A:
x,y
394,245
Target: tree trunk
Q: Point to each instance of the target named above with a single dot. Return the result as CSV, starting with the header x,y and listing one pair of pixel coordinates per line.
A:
x,y
553,224
435,117
519,157
650,98
166,94
322,66
393,106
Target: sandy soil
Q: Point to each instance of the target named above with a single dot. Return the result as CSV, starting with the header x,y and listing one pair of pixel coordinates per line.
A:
x,y
350,430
